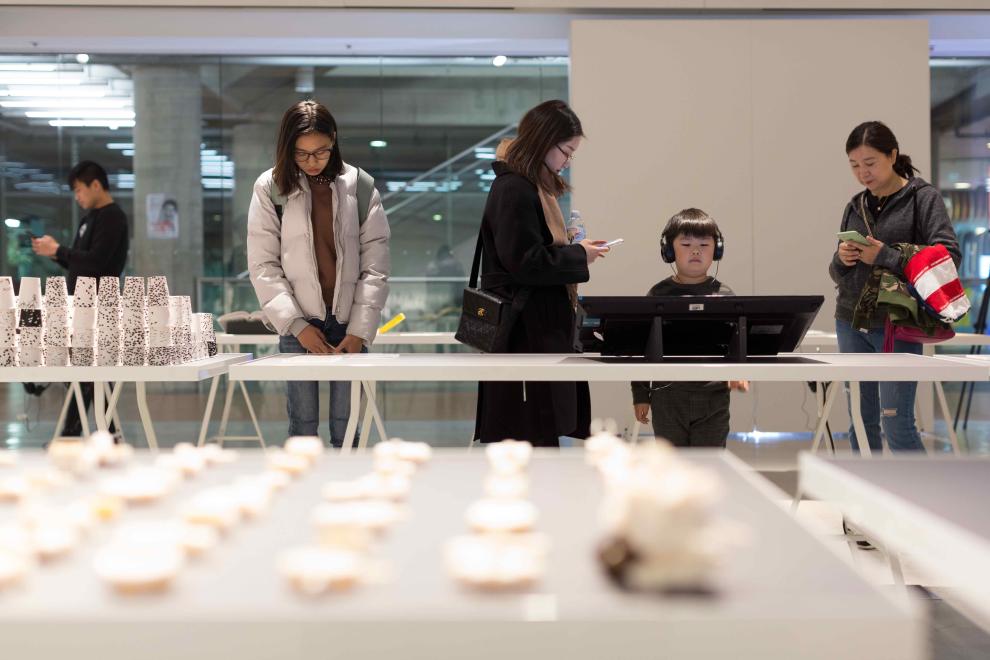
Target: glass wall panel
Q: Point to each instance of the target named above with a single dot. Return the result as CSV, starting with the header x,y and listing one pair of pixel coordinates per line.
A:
x,y
184,138
961,162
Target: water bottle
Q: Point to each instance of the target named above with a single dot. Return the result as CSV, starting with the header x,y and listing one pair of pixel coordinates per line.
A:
x,y
576,227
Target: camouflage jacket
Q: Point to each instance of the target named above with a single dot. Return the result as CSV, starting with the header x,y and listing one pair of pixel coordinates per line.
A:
x,y
886,294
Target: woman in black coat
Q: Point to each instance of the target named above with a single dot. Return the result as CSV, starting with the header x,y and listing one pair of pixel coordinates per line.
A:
x,y
525,251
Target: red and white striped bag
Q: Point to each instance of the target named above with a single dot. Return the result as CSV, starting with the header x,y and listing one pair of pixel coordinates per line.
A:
x,y
933,276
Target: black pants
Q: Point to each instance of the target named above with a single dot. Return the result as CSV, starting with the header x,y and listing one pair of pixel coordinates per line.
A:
x,y
690,418
73,421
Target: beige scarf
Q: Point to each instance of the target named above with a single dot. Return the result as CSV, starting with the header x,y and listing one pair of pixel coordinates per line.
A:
x,y
551,212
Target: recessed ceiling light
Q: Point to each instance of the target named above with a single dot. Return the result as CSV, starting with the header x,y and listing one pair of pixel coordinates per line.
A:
x,y
13,223
499,60
437,217
82,58
378,144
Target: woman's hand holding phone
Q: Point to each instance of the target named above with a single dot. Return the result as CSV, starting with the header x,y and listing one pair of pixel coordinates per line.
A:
x,y
594,249
849,253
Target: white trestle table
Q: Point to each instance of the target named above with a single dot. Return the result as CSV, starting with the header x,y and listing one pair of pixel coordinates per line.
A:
x,y
820,367
108,384
234,342
781,595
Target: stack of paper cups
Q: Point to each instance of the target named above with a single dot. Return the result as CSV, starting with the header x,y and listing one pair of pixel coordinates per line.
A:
x,y
108,322
160,344
182,340
8,323
29,341
56,322
83,352
208,334
198,344
134,324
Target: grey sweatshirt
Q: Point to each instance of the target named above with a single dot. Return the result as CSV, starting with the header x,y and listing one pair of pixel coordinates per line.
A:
x,y
915,214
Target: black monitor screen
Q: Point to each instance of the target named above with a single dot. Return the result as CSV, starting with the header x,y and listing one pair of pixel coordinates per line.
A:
x,y
696,325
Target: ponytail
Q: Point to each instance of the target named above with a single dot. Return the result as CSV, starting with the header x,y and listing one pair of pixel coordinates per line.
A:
x,y
903,166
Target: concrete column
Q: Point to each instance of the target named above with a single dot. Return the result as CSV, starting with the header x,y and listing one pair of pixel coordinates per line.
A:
x,y
167,137
252,151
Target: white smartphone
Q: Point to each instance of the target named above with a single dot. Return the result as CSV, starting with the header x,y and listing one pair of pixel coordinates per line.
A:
x,y
615,242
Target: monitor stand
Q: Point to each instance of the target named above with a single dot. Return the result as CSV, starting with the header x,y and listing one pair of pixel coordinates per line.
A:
x,y
737,345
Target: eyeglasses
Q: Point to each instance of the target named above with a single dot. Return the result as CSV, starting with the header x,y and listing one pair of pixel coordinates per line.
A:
x,y
568,157
320,154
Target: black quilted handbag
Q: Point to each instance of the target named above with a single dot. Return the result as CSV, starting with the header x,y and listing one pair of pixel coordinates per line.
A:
x,y
486,318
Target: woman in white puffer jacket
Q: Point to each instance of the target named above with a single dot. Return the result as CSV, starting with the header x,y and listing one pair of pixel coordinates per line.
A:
x,y
318,254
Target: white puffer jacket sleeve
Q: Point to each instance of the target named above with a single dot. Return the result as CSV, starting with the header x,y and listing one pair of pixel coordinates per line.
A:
x,y
371,290
264,254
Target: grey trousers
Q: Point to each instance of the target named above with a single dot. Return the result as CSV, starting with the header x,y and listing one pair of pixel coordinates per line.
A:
x,y
690,418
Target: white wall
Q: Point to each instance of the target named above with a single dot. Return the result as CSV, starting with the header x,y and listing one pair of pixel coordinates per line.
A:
x,y
746,120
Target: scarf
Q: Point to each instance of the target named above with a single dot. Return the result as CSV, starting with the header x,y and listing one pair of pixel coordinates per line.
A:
x,y
552,214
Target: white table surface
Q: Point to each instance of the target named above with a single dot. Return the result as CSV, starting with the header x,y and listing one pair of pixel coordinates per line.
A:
x,y
934,509
190,371
554,367
783,595
818,338
386,339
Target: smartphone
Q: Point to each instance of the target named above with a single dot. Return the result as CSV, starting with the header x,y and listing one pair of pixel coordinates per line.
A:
x,y
853,236
615,242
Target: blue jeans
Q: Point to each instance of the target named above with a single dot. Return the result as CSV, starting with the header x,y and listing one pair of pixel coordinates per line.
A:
x,y
891,402
304,396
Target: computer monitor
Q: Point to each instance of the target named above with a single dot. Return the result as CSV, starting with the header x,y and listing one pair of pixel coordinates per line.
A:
x,y
728,327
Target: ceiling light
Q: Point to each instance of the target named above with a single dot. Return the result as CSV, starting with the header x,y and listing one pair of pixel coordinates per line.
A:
x,y
41,103
34,91
16,66
499,60
40,78
437,217
81,114
112,124
963,185
82,58
378,144
120,145
13,223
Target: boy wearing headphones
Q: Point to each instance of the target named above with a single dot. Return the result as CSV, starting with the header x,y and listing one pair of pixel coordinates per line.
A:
x,y
689,414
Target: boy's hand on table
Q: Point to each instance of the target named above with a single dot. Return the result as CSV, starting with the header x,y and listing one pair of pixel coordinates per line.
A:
x,y
741,385
642,411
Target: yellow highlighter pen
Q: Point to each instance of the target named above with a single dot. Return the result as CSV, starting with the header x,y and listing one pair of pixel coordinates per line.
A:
x,y
394,321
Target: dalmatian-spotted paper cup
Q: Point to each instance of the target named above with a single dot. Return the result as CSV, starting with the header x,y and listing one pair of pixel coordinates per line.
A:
x,y
82,357
29,356
56,356
29,296
7,298
56,292
158,291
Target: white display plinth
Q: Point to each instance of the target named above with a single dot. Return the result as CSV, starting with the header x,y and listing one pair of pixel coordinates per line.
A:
x,y
781,596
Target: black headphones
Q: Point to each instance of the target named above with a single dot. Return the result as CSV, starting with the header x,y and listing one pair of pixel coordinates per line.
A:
x,y
667,247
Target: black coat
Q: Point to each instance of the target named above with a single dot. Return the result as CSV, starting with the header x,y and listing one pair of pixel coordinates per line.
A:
x,y
518,251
